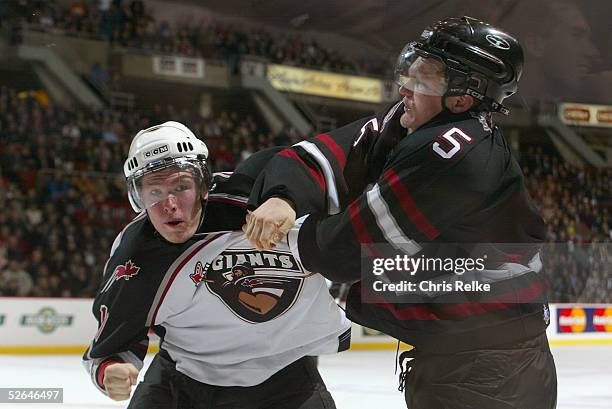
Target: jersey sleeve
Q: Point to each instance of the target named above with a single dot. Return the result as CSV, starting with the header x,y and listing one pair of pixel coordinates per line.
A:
x,y
120,309
419,193
321,174
227,199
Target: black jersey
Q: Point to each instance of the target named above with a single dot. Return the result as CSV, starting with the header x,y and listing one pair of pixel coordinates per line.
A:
x,y
453,182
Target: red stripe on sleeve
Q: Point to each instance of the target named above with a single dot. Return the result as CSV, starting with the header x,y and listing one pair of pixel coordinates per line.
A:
x,y
468,309
496,303
334,148
415,312
290,153
102,367
358,223
409,206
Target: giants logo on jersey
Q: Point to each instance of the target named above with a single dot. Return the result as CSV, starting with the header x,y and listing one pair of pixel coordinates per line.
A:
x,y
257,286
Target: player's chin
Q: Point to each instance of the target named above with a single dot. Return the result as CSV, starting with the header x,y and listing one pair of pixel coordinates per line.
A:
x,y
406,120
176,235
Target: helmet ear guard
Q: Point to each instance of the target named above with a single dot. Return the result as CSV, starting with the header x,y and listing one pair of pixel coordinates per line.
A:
x,y
206,172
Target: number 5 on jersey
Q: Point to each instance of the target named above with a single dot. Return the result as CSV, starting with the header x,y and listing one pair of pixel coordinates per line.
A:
x,y
454,137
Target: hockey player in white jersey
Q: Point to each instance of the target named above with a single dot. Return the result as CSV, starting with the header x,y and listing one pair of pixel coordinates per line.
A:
x,y
238,326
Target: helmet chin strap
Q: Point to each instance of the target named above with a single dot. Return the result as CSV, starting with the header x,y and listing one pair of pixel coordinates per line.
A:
x,y
444,106
484,116
203,203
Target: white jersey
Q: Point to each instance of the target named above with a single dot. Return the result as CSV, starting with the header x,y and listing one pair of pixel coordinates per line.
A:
x,y
253,312
227,313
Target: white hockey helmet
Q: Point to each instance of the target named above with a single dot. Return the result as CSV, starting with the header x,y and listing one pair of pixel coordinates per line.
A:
x,y
164,146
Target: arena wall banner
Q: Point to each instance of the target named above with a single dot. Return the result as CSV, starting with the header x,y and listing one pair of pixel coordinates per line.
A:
x,y
585,114
584,319
48,325
62,326
45,325
325,84
178,66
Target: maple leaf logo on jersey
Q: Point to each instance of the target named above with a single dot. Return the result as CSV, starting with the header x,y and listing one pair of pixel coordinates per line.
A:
x,y
125,271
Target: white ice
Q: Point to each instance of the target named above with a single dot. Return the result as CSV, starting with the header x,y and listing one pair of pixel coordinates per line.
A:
x,y
357,379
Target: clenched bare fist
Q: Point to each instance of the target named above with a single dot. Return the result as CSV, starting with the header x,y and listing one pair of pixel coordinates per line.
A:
x,y
269,223
118,380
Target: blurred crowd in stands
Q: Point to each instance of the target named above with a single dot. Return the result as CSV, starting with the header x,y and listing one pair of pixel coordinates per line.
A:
x,y
576,205
62,191
128,23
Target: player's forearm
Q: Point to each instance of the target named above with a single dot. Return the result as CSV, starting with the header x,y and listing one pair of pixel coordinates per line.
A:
x,y
327,248
295,182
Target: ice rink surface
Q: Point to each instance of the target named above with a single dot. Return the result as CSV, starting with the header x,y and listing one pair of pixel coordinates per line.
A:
x,y
357,379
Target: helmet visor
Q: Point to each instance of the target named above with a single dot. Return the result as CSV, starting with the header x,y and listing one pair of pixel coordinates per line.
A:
x,y
420,72
177,182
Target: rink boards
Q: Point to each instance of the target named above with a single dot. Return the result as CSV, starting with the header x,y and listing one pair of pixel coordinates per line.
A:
x,y
52,325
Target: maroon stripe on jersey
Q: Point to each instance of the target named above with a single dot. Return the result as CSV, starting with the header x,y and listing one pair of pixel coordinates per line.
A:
x,y
416,312
504,301
409,206
334,148
358,223
103,320
176,271
497,303
290,153
519,257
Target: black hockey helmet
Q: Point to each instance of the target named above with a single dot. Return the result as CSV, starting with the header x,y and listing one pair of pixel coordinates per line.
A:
x,y
481,60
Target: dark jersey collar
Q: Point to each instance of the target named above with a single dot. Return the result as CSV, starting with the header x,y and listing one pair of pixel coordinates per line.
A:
x,y
446,117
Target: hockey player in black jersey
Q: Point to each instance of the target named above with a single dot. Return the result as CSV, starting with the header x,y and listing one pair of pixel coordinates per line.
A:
x,y
239,327
444,184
